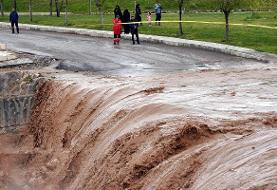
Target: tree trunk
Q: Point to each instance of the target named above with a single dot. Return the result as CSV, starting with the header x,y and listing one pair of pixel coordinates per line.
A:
x,y
89,7
14,4
180,18
226,14
62,5
101,14
30,11
51,7
2,7
99,5
57,8
65,16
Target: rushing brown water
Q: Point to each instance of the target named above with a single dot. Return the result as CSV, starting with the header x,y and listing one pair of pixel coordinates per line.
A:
x,y
160,132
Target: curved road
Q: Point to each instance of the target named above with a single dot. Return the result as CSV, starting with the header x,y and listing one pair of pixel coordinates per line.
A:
x,y
97,54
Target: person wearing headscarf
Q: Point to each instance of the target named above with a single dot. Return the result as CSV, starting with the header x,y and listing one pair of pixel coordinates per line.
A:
x,y
117,12
138,13
126,19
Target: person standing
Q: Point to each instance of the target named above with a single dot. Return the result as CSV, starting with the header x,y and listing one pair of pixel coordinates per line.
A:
x,y
134,30
149,18
117,27
158,11
117,12
14,20
126,19
138,13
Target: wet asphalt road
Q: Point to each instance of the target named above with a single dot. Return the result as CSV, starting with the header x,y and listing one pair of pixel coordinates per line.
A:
x,y
96,54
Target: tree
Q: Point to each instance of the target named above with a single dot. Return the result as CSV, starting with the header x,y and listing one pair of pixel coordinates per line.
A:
x,y
62,5
14,4
50,7
2,7
180,5
89,7
57,8
30,11
226,6
100,7
65,16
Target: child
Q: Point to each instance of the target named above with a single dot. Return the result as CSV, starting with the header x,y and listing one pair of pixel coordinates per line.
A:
x,y
149,18
134,30
117,29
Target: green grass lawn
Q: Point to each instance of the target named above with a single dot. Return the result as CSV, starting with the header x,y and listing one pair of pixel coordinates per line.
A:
x,y
252,37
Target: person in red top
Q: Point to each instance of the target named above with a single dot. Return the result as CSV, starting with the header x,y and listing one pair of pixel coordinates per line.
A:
x,y
117,27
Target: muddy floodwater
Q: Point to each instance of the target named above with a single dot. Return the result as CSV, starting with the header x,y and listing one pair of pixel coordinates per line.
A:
x,y
198,126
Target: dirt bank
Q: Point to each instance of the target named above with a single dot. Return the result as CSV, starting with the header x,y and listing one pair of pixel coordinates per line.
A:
x,y
187,130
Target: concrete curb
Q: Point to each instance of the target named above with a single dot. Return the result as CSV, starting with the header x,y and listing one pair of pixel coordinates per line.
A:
x,y
209,46
6,56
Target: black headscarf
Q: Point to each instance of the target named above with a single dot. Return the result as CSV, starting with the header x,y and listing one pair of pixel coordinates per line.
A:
x,y
117,12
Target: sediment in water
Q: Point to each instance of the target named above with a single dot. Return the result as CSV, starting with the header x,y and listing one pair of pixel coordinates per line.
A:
x,y
120,137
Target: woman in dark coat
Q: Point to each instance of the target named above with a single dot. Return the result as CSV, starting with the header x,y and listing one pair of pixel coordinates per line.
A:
x,y
138,13
126,19
134,30
117,12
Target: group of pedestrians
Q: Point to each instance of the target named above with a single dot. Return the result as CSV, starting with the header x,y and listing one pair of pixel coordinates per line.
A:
x,y
130,24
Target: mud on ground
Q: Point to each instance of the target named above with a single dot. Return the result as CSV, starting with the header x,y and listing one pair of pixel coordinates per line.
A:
x,y
209,129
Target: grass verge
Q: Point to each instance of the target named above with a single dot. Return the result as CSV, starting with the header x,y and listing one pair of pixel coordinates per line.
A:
x,y
251,37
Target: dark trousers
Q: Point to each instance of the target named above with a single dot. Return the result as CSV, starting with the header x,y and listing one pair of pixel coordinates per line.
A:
x,y
16,25
135,33
158,18
116,36
116,39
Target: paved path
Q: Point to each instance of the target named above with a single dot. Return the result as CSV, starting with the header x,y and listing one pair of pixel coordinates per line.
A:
x,y
99,54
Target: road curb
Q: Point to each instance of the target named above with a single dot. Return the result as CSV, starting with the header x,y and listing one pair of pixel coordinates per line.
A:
x,y
209,46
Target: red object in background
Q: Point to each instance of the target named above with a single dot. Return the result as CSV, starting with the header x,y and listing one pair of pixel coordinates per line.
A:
x,y
117,27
